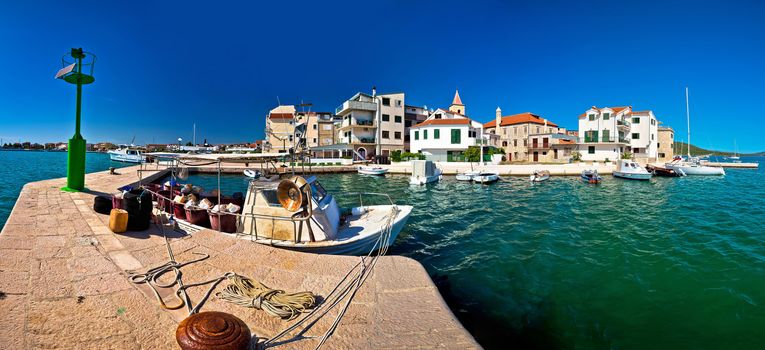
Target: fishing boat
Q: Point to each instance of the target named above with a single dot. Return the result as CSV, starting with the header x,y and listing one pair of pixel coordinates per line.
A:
x,y
591,176
664,172
628,169
424,172
539,176
296,213
127,155
369,170
693,165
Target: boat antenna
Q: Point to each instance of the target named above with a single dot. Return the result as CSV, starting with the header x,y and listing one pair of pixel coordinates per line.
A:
x,y
688,117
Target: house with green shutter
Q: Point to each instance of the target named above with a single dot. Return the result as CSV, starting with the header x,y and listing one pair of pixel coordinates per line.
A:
x,y
444,136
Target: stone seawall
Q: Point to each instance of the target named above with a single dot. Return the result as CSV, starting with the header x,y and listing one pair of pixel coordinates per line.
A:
x,y
64,282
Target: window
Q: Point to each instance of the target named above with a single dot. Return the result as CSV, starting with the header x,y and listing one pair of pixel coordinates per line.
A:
x,y
504,143
437,134
515,143
408,123
397,135
635,136
635,120
525,142
416,135
438,116
456,136
425,134
606,116
326,127
386,101
658,145
591,149
398,103
315,126
537,129
314,140
397,119
606,135
591,116
385,118
386,134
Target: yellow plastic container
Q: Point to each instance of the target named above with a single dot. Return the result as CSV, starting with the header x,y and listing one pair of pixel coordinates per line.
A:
x,y
118,219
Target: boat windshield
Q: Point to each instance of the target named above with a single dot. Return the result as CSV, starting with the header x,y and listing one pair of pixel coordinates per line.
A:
x,y
318,191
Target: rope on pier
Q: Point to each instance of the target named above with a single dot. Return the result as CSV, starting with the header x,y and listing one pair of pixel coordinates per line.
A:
x,y
249,293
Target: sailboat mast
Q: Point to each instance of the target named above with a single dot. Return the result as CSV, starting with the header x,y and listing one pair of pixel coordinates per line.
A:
x,y
688,117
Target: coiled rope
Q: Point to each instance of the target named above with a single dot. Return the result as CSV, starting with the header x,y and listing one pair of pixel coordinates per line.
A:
x,y
245,292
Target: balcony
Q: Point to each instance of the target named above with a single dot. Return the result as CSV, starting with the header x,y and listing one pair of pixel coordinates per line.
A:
x,y
605,139
539,146
365,140
357,123
623,124
355,105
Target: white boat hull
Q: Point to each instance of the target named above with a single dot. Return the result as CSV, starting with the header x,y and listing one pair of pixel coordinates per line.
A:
x,y
632,176
126,158
422,180
486,178
372,171
697,170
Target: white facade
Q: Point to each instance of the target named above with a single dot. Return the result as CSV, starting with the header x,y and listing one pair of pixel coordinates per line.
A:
x,y
368,122
606,133
444,135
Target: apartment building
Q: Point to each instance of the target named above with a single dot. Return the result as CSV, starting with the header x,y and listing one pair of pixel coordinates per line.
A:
x,y
551,147
413,115
372,124
606,133
280,129
514,133
666,144
320,128
444,135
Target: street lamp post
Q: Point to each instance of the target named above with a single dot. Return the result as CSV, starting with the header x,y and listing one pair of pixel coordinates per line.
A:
x,y
77,69
179,144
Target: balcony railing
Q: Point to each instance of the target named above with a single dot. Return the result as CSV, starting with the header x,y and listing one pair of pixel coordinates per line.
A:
x,y
605,140
622,123
359,105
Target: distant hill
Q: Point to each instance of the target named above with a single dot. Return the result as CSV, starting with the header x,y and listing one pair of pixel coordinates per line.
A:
x,y
680,148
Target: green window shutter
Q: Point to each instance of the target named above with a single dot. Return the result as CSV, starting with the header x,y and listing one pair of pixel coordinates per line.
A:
x,y
456,136
592,117
636,136
425,134
606,135
606,116
416,135
635,120
436,133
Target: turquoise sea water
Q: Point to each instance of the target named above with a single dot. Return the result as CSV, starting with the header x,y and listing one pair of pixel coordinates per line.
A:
x,y
20,167
665,264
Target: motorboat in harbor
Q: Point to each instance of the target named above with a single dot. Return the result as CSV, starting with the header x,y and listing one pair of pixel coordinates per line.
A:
x,y
663,171
628,169
370,170
424,172
127,155
591,176
486,177
466,176
539,176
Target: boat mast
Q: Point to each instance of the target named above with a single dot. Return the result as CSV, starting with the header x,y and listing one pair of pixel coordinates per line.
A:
x,y
688,117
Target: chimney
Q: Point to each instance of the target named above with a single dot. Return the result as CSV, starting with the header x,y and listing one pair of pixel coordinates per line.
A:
x,y
499,118
374,91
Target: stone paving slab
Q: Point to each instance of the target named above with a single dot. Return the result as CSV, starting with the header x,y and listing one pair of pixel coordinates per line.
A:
x,y
64,282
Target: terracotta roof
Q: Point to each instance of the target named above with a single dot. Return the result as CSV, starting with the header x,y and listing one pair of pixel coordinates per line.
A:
x,y
281,116
453,121
457,100
566,142
522,118
615,109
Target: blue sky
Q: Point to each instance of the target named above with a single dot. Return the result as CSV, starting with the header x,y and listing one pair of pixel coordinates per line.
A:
x,y
164,65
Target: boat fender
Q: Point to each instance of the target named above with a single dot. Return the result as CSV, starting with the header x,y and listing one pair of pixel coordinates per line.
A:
x,y
359,210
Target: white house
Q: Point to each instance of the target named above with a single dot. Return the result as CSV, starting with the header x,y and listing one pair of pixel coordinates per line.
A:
x,y
444,135
606,133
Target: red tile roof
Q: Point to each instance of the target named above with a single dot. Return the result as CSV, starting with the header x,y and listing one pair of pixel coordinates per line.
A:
x,y
615,109
454,121
522,118
281,116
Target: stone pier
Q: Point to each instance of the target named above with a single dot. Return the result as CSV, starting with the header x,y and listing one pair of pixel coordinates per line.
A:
x,y
64,282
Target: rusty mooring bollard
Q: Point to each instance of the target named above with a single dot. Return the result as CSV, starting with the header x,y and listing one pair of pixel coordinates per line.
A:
x,y
212,330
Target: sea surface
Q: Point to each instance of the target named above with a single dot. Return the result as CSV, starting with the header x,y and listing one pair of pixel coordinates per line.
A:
x,y
673,263
20,167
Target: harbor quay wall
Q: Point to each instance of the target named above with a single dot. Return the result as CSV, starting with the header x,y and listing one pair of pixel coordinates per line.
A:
x,y
64,281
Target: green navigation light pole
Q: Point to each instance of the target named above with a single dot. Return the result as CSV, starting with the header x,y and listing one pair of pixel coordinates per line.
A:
x,y
77,69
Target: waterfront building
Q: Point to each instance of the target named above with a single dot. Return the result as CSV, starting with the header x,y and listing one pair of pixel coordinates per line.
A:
x,y
445,135
666,143
280,129
372,124
320,128
607,133
515,133
413,115
551,147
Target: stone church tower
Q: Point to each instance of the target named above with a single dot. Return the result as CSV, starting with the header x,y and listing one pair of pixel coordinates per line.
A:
x,y
457,106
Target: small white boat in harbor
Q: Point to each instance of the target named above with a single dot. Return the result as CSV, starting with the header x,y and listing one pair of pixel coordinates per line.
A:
x,y
370,170
466,176
127,155
627,169
591,176
539,176
424,172
486,177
